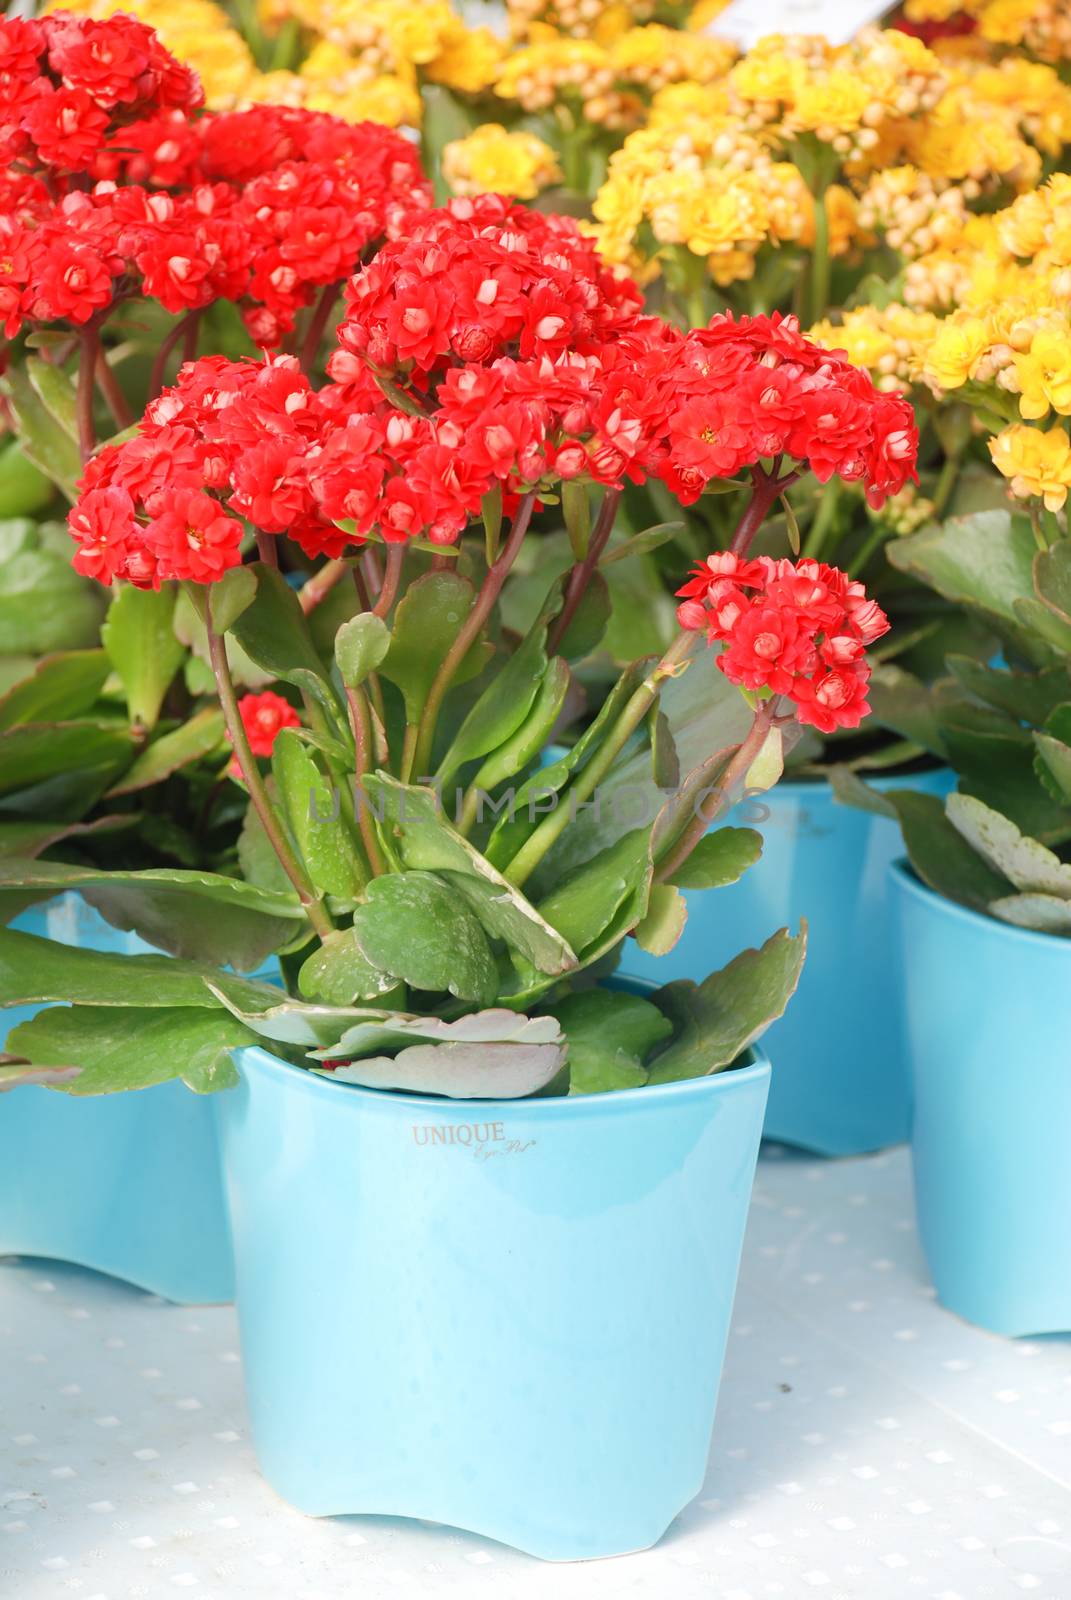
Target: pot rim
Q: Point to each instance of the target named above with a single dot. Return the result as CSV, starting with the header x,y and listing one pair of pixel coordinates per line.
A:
x,y
903,873
620,1101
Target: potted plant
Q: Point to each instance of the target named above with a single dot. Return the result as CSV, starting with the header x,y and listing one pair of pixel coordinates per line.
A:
x,y
135,231
984,904
432,1137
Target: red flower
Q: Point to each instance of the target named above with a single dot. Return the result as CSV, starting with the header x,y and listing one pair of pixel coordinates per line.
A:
x,y
67,126
194,538
103,524
264,716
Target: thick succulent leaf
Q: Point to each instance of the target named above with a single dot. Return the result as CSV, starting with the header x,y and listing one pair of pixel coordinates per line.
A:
x,y
48,446
339,973
415,829
715,1021
850,790
426,622
663,922
314,811
665,762
29,839
721,857
904,703
133,1049
38,971
1026,864
417,928
525,744
44,604
360,646
502,707
194,915
37,751
139,636
1044,913
15,1075
610,1035
294,1022
641,544
274,632
1029,697
995,763
985,560
378,1032
941,856
1051,627
64,685
24,488
229,596
1052,579
587,902
461,1071
1052,762
201,736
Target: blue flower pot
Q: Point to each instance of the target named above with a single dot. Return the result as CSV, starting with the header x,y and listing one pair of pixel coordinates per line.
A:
x,y
990,1055
506,1316
839,1085
127,1184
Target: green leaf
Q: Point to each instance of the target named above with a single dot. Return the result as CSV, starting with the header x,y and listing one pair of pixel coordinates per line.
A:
x,y
338,972
663,922
502,707
47,446
716,1020
426,623
665,762
256,855
274,632
1048,625
133,1049
767,766
37,971
139,636
792,525
56,392
40,750
24,488
576,510
44,604
1052,579
1044,913
15,1077
995,763
313,809
526,743
195,915
491,512
416,831
1024,862
201,736
229,596
641,544
904,703
29,839
360,647
1027,696
721,857
64,685
941,856
587,902
1052,763
985,560
850,790
589,620
419,929
609,1035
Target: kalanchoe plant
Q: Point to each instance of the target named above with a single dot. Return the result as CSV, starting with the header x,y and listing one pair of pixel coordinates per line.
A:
x,y
1002,843
440,902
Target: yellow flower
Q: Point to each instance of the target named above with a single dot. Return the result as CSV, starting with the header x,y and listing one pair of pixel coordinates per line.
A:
x,y
957,349
469,60
1038,464
492,161
1044,373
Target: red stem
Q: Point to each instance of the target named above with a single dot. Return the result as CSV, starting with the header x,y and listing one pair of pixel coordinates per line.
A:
x,y
582,572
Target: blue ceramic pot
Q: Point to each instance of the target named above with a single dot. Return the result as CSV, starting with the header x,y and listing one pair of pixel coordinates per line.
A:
x,y
990,1055
507,1316
128,1184
840,1082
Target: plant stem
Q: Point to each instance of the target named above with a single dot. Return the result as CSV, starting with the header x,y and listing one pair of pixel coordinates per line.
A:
x,y
321,583
361,723
159,366
89,339
491,588
821,262
317,323
946,482
391,579
314,907
267,549
635,710
823,522
738,767
582,571
113,394
876,538
767,488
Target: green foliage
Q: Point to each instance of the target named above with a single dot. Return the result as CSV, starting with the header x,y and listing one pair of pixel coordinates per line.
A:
x,y
139,637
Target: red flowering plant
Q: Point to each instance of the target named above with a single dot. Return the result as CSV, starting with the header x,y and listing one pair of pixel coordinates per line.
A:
x,y
135,230
428,876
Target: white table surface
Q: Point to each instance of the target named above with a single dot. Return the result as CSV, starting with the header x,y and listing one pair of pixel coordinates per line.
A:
x,y
868,1444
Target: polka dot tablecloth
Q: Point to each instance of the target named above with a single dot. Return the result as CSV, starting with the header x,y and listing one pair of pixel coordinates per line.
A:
x,y
868,1444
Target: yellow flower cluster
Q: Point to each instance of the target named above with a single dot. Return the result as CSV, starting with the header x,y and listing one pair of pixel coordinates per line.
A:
x,y
1040,27
492,160
583,19
553,67
715,191
887,341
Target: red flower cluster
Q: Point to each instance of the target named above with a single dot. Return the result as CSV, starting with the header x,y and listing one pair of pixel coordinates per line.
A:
x,y
735,392
795,628
67,83
268,241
